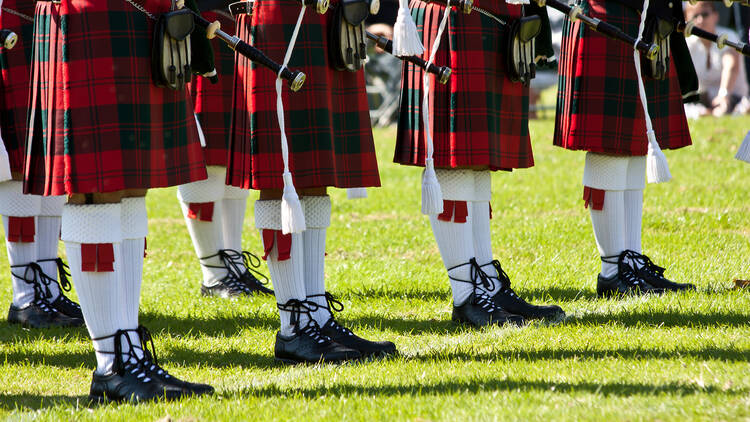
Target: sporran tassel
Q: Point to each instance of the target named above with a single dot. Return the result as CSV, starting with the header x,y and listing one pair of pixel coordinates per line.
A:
x,y
406,40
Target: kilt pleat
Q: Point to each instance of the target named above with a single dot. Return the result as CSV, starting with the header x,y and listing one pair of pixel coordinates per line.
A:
x,y
598,107
14,84
110,128
212,103
327,121
480,118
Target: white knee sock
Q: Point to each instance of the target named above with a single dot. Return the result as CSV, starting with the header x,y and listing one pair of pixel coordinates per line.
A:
x,y
19,213
453,230
480,223
202,208
607,176
134,229
609,229
48,232
287,273
233,209
633,218
19,255
317,219
88,232
635,184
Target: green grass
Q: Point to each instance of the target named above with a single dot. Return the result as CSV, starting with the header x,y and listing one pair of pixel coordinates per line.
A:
x,y
674,357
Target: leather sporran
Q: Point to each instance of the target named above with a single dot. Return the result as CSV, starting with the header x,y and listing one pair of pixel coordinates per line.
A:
x,y
347,39
657,31
171,56
520,48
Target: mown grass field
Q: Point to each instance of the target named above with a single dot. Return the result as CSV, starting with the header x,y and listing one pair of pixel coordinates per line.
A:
x,y
675,357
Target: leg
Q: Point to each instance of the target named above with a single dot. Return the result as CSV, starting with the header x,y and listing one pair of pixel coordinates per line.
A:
x,y
299,339
201,204
31,293
453,232
233,205
604,180
503,294
317,218
641,264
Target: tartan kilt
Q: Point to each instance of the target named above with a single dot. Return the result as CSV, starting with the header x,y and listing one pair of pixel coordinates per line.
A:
x,y
480,117
327,121
598,107
98,124
212,103
14,84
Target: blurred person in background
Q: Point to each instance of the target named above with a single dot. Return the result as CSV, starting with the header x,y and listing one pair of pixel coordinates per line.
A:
x,y
721,73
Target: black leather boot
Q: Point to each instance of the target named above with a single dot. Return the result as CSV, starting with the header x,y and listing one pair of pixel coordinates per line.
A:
x,y
308,344
345,336
652,273
39,313
480,309
625,283
240,279
62,302
507,299
134,378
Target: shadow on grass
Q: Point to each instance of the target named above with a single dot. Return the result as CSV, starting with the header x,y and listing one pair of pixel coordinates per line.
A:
x,y
708,353
447,388
25,402
550,295
622,389
663,319
224,325
13,333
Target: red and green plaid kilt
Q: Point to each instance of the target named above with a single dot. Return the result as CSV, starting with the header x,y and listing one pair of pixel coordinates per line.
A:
x,y
213,102
111,128
480,117
598,107
14,85
327,121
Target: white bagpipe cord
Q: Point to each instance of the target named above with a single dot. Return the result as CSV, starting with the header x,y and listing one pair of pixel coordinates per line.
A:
x,y
657,167
292,216
743,153
4,158
432,196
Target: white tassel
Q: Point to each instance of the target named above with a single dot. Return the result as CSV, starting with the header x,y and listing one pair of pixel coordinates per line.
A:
x,y
743,153
4,159
432,196
356,193
517,1
292,215
656,162
406,40
657,168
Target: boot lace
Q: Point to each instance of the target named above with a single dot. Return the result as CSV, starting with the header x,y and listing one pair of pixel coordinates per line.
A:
x,y
504,281
481,283
126,358
333,304
42,292
625,271
643,263
241,267
297,308
63,285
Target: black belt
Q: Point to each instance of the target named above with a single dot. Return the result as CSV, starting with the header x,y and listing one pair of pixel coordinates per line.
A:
x,y
241,8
